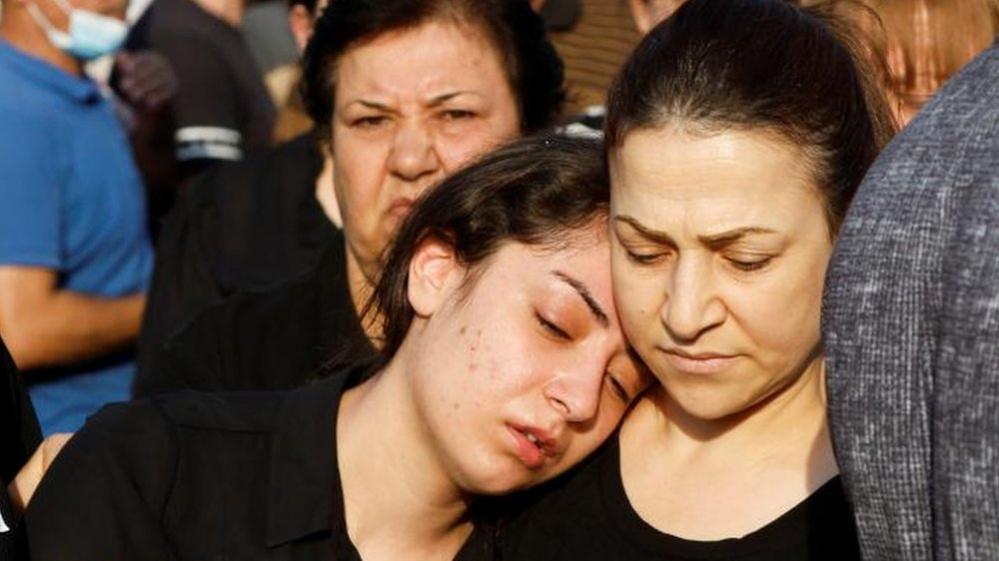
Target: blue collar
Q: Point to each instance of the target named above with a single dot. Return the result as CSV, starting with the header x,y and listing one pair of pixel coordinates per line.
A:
x,y
46,76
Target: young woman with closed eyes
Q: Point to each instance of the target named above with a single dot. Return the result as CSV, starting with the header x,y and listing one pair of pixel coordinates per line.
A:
x,y
503,365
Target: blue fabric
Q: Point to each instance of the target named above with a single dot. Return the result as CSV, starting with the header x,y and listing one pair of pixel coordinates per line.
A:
x,y
71,200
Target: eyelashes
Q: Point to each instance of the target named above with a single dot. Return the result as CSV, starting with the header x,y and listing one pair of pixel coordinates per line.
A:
x,y
551,328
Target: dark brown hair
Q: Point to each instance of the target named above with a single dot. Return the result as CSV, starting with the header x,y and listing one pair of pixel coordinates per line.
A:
x,y
763,65
534,191
517,33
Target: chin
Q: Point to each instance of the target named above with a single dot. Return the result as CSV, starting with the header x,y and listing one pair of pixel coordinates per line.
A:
x,y
706,404
500,478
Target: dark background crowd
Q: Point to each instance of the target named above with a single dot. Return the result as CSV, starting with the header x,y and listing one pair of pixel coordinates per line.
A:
x,y
180,209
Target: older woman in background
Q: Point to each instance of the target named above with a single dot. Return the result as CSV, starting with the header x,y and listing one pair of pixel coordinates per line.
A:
x,y
405,92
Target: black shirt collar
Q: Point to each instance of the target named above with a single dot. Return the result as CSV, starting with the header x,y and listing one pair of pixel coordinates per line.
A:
x,y
304,493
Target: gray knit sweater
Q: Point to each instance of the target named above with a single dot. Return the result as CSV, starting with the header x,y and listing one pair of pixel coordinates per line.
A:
x,y
911,326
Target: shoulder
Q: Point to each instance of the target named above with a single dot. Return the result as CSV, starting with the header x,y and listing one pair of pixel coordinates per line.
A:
x,y
252,180
250,340
540,522
227,412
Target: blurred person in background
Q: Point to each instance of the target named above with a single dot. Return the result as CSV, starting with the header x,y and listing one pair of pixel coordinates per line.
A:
x,y
244,225
405,92
222,110
75,257
928,41
285,81
648,13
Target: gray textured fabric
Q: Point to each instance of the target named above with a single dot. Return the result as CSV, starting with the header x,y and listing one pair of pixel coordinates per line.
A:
x,y
911,326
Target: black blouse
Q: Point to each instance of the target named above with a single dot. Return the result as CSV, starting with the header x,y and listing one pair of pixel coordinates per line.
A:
x,y
205,476
239,226
272,339
587,515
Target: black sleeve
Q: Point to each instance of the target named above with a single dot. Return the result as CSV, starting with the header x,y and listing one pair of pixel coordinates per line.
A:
x,y
184,278
105,495
207,109
19,430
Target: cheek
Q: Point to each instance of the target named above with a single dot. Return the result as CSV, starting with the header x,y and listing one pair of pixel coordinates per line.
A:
x,y
459,148
357,178
783,323
638,299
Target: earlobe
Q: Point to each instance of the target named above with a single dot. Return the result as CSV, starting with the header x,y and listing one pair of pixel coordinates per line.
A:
x,y
434,272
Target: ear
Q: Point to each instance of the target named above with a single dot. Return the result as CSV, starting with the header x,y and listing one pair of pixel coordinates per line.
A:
x,y
434,275
301,23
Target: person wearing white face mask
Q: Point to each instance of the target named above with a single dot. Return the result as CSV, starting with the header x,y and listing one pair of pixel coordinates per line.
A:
x,y
75,257
90,34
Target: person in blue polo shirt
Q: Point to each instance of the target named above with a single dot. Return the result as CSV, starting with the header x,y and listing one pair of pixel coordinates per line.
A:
x,y
75,257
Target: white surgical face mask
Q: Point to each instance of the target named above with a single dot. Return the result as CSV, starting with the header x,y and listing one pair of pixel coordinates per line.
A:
x,y
91,35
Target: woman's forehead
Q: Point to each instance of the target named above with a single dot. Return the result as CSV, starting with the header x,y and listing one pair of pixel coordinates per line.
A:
x,y
429,60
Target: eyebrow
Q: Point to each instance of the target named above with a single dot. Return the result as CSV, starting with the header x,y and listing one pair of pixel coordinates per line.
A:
x,y
723,239
442,98
433,102
372,105
649,233
584,293
714,241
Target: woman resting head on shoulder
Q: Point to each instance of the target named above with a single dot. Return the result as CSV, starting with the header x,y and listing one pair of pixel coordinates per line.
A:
x,y
737,134
503,365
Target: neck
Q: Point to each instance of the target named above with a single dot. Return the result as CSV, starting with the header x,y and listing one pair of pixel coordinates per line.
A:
x,y
788,427
361,288
23,33
229,11
397,496
325,193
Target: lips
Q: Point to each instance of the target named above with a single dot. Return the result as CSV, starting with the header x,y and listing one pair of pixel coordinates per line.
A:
x,y
533,446
400,207
698,362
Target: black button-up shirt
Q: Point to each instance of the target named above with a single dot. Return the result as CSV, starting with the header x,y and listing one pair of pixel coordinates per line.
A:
x,y
204,477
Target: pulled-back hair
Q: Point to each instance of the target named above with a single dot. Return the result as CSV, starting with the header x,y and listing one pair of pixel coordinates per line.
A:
x,y
763,65
534,191
517,34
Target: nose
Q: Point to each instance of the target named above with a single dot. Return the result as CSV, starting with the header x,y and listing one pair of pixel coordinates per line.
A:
x,y
575,393
413,155
691,305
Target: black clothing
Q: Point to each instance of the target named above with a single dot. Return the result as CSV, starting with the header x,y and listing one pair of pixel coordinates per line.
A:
x,y
222,109
274,339
239,226
197,476
20,435
587,515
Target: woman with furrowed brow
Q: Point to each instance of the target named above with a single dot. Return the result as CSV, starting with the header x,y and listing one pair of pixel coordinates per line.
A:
x,y
737,134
